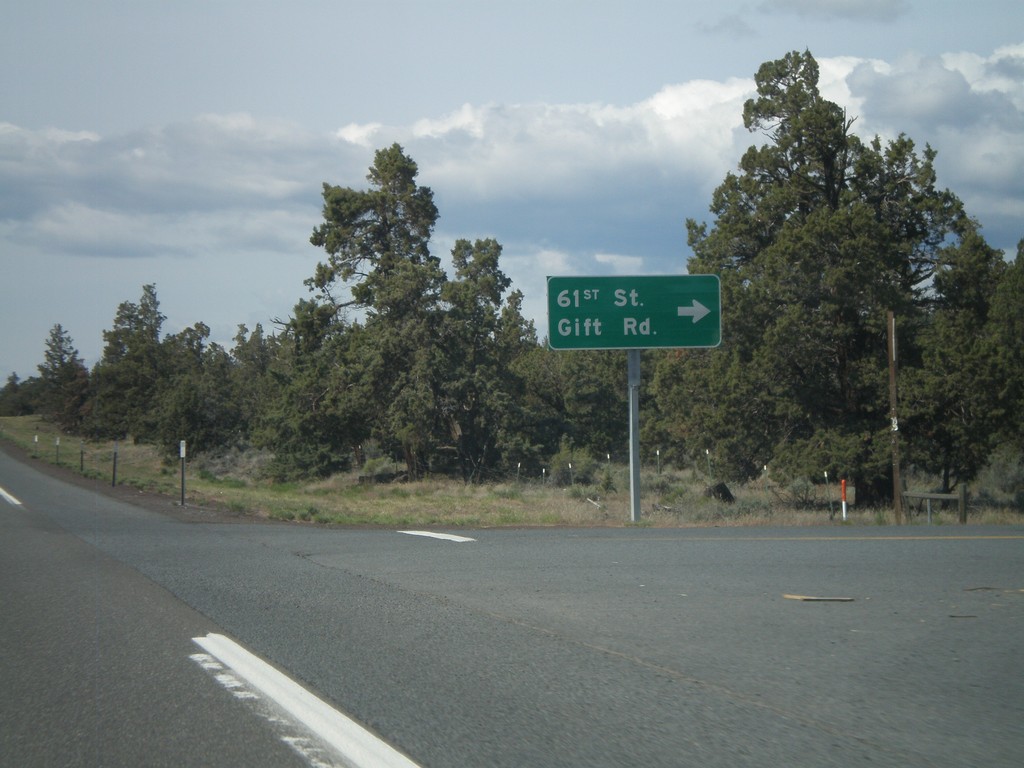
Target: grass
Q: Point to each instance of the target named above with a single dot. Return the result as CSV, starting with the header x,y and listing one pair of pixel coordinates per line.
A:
x,y
670,499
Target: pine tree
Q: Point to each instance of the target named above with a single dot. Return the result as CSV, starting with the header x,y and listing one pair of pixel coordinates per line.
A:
x,y
63,389
816,238
128,376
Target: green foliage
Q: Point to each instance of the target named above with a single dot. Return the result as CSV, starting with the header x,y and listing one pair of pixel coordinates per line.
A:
x,y
378,240
371,234
816,238
63,391
314,418
1005,331
16,398
579,396
954,400
435,358
1003,476
378,467
607,483
572,465
197,401
126,380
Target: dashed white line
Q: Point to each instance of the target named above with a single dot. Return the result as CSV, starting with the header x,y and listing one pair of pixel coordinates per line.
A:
x,y
9,498
356,745
444,536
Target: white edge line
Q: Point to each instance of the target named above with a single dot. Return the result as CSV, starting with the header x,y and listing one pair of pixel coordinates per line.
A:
x,y
443,536
9,498
355,743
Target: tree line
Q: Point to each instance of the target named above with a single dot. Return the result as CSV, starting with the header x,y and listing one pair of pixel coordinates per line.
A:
x,y
816,238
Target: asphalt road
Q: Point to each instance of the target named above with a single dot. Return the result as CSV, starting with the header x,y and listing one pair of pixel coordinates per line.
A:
x,y
617,647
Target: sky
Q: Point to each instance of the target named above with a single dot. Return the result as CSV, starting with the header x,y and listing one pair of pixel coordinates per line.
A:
x,y
185,144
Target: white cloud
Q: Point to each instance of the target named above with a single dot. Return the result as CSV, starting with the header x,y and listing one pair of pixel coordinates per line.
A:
x,y
620,264
544,150
1002,72
915,90
11,134
550,262
76,227
971,110
466,119
956,89
360,135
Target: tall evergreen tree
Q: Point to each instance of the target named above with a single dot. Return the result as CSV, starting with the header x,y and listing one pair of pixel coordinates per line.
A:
x,y
251,357
575,401
127,377
371,236
516,339
815,239
477,343
196,399
13,398
314,414
377,242
952,405
63,381
1006,334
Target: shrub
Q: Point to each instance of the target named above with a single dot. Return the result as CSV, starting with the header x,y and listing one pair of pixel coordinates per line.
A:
x,y
607,484
570,466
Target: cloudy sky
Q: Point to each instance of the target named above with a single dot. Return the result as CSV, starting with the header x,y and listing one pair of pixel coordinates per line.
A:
x,y
185,143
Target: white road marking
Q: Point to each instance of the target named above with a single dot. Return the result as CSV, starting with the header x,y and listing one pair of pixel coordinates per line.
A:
x,y
309,749
355,744
9,498
444,536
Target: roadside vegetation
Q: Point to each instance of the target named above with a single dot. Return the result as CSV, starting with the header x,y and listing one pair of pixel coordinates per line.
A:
x,y
236,482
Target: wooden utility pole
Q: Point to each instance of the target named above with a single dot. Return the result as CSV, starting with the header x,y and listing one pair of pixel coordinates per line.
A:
x,y
897,489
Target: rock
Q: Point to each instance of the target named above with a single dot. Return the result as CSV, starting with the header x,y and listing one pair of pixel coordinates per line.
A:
x,y
721,492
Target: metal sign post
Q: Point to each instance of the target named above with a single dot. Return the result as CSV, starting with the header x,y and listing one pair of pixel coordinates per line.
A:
x,y
633,377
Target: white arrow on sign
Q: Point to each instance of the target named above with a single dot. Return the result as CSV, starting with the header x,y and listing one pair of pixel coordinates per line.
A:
x,y
697,311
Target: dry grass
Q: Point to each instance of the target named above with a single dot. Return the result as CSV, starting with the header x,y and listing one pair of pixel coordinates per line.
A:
x,y
672,499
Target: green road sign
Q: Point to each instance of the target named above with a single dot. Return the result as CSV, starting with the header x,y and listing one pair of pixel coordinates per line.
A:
x,y
634,312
